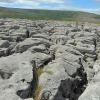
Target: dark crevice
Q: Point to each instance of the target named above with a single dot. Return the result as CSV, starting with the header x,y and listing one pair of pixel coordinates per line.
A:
x,y
34,83
23,93
95,44
8,52
72,88
45,63
5,75
27,33
52,53
96,57
87,30
23,80
75,30
80,62
18,39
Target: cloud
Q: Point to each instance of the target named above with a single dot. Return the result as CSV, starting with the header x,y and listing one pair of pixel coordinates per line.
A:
x,y
29,3
51,1
98,1
7,1
37,4
32,1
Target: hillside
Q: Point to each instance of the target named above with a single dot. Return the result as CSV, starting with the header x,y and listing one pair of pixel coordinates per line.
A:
x,y
35,14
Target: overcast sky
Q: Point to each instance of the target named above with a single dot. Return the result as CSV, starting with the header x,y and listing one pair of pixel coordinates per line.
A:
x,y
80,5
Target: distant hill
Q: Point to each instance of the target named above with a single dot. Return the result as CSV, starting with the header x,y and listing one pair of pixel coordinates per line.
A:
x,y
35,14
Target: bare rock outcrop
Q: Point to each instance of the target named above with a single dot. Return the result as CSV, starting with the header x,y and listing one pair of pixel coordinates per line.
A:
x,y
60,60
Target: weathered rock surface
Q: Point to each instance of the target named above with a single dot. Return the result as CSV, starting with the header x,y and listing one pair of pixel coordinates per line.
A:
x,y
67,53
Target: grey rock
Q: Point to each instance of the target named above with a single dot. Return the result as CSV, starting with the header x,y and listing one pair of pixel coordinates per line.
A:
x,y
40,48
3,52
66,53
15,79
92,92
4,44
29,42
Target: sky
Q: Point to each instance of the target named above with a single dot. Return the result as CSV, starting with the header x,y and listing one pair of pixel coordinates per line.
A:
x,y
92,6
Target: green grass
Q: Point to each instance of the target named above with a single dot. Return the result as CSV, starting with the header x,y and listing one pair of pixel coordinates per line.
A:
x,y
37,92
35,14
96,22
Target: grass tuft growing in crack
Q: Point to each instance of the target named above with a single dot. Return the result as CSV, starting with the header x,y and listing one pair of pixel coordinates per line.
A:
x,y
37,71
37,92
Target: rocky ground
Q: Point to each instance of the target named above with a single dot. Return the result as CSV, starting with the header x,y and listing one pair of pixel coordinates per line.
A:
x,y
49,60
